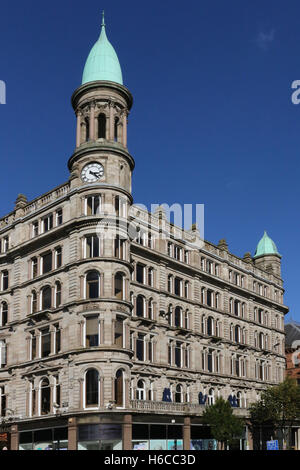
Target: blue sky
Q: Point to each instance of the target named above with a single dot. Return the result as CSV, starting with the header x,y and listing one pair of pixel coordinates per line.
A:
x,y
212,121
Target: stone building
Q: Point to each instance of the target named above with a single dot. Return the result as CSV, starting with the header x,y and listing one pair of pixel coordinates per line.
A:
x,y
109,341
292,344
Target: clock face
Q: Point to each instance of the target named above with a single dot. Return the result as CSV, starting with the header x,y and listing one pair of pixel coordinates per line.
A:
x,y
92,172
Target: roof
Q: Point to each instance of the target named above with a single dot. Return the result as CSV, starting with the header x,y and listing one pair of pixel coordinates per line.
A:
x,y
102,62
266,246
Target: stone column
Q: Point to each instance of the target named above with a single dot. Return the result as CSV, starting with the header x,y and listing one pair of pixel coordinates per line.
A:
x,y
187,433
111,122
127,432
14,438
72,434
125,129
78,131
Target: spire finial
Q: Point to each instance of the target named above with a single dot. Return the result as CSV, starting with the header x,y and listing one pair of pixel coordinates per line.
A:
x,y
103,18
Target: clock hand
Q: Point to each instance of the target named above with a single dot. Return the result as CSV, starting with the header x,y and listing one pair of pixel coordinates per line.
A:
x,y
95,174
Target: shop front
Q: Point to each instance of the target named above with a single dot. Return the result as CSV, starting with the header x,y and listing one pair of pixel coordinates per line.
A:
x,y
100,437
44,439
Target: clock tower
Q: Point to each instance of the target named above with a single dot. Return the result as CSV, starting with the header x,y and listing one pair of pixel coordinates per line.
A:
x,y
102,105
101,170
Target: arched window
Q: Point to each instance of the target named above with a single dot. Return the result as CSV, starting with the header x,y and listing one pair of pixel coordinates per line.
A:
x,y
101,126
237,334
33,306
46,298
116,129
120,286
4,314
93,285
140,306
178,317
211,396
141,390
261,341
239,399
92,388
210,326
45,397
87,129
178,394
119,388
57,294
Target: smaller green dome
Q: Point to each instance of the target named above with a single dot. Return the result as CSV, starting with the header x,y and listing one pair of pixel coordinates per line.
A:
x,y
102,62
266,246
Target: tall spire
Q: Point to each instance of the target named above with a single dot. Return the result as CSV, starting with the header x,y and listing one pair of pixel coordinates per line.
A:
x,y
103,19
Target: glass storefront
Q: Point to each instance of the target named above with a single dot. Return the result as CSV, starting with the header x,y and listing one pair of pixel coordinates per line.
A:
x,y
157,437
44,439
100,437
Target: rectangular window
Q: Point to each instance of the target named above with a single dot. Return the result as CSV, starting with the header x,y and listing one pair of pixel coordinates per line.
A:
x,y
2,353
140,347
46,261
119,333
2,402
178,286
59,217
47,223
93,205
35,229
178,354
5,244
58,257
34,267
92,246
4,280
33,344
45,342
92,332
57,339
140,273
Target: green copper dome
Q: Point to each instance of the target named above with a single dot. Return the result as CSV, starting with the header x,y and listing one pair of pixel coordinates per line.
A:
x,y
266,246
102,62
